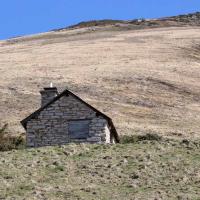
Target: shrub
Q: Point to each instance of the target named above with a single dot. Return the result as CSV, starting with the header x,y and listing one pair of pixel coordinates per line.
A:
x,y
8,142
150,136
137,138
3,129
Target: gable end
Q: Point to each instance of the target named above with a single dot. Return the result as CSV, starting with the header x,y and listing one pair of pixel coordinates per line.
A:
x,y
67,93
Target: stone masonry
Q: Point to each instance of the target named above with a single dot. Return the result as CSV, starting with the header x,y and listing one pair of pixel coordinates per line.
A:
x,y
51,125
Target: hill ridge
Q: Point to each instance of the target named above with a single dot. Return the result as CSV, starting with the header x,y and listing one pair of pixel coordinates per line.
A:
x,y
184,19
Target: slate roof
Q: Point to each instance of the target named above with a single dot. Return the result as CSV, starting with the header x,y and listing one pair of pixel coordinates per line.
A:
x,y
66,92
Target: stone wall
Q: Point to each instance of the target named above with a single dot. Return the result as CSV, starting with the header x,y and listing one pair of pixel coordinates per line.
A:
x,y
51,125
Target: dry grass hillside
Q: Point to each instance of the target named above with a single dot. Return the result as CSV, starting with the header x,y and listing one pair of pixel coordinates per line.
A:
x,y
144,74
147,79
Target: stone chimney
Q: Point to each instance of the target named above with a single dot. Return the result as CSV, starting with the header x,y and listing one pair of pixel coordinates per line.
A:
x,y
47,94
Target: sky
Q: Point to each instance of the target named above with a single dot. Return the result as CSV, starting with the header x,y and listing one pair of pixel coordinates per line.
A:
x,y
23,17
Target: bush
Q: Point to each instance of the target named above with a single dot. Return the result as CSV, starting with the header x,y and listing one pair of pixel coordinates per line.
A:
x,y
137,138
10,142
3,130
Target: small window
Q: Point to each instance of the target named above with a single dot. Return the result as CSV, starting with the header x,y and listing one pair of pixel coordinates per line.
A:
x,y
79,129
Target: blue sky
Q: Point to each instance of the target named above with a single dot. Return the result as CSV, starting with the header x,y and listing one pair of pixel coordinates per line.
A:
x,y
22,17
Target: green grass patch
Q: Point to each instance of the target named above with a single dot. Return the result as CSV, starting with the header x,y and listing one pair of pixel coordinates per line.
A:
x,y
144,170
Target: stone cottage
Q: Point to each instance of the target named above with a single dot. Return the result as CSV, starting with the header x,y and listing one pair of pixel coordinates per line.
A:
x,y
65,118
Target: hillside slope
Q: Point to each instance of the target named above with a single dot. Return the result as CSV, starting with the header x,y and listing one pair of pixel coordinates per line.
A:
x,y
144,170
146,80
192,19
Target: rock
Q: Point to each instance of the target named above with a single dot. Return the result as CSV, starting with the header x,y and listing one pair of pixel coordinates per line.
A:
x,y
66,153
107,157
135,176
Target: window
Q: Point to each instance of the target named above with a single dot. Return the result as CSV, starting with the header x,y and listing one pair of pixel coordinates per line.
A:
x,y
79,129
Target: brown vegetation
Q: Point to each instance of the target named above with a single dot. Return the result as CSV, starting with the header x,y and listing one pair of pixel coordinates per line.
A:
x,y
146,80
9,142
181,20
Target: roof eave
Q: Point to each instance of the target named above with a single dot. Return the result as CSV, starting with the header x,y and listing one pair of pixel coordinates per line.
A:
x,y
23,124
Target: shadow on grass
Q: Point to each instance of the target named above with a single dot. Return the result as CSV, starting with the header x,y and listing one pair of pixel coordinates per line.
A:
x,y
137,138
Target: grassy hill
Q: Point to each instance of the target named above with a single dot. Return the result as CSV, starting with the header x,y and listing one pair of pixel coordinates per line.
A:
x,y
144,74
144,169
146,80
